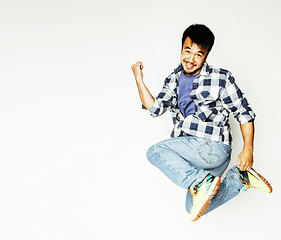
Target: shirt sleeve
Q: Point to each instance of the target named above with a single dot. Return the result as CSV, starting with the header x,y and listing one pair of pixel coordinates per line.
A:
x,y
163,100
235,101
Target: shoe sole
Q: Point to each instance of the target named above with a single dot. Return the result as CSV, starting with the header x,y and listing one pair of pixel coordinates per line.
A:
x,y
214,188
259,176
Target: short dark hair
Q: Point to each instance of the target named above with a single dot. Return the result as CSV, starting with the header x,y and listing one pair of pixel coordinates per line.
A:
x,y
200,35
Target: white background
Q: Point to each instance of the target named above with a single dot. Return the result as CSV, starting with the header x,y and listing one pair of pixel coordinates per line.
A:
x,y
73,136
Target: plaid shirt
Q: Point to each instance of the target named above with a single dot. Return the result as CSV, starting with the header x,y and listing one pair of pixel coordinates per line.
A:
x,y
215,95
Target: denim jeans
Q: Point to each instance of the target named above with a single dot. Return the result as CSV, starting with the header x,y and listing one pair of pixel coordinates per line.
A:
x,y
188,160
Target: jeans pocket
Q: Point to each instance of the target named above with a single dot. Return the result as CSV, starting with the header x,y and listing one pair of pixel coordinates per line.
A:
x,y
212,152
225,148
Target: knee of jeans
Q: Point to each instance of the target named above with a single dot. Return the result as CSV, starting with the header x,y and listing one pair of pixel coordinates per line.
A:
x,y
150,154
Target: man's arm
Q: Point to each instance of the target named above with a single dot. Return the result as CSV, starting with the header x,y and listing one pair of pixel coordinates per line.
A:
x,y
145,96
245,158
235,101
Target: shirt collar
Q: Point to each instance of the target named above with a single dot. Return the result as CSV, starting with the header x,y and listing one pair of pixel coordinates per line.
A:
x,y
205,71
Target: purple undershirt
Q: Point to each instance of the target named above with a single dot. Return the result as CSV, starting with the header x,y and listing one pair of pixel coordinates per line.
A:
x,y
185,102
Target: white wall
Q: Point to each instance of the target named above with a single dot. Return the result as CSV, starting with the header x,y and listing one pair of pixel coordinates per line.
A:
x,y
73,136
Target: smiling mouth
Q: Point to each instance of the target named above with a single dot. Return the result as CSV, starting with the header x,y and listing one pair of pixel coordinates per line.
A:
x,y
189,65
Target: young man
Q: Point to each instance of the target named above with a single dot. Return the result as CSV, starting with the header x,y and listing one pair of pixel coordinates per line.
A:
x,y
200,99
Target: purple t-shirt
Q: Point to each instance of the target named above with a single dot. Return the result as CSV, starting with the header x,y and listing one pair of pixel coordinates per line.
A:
x,y
185,102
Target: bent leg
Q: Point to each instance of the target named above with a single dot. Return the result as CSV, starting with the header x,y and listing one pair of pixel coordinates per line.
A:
x,y
171,157
188,160
229,188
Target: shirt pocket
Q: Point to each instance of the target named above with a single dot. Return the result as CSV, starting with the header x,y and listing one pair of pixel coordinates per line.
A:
x,y
207,101
209,95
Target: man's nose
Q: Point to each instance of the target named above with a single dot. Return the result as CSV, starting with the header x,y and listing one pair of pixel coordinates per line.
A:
x,y
190,58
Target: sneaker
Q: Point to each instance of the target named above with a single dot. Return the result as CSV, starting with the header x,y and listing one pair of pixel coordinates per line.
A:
x,y
202,195
252,179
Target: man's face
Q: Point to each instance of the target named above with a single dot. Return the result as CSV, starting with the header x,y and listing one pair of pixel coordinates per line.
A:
x,y
192,57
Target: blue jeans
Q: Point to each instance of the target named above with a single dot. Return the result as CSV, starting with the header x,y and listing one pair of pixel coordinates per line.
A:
x,y
188,160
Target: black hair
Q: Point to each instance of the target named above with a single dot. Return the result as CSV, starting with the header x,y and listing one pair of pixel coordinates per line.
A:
x,y
200,35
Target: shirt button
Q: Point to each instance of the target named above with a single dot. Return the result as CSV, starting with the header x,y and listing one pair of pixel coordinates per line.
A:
x,y
195,85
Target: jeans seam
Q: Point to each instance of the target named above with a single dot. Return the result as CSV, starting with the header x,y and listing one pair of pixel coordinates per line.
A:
x,y
168,165
224,149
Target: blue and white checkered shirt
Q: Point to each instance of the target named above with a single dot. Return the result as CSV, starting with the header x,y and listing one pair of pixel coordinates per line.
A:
x,y
215,95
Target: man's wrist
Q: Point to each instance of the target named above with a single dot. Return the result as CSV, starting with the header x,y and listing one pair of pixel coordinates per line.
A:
x,y
248,147
139,81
